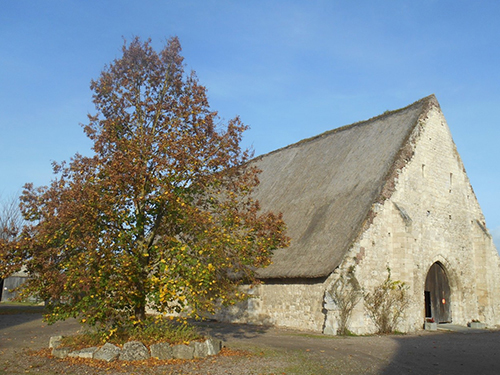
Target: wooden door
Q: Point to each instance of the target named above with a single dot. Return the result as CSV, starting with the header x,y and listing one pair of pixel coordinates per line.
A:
x,y
437,293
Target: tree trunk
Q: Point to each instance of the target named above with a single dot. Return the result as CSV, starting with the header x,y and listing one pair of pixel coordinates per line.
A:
x,y
140,313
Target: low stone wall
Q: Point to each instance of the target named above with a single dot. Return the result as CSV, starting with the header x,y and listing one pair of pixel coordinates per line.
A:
x,y
136,351
296,303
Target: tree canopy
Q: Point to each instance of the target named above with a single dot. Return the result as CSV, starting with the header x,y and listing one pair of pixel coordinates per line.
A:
x,y
161,215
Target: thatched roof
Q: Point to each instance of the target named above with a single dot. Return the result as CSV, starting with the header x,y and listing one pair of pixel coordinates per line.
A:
x,y
326,187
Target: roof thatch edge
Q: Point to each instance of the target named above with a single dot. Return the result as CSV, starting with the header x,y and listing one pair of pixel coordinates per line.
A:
x,y
430,100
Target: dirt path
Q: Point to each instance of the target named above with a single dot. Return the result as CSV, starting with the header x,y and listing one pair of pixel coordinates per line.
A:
x,y
442,352
275,351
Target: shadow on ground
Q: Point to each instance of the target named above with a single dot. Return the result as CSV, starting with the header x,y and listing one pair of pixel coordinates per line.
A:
x,y
462,351
229,332
12,315
290,351
447,353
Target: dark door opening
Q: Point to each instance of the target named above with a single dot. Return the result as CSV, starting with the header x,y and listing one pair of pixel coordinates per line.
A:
x,y
428,310
437,294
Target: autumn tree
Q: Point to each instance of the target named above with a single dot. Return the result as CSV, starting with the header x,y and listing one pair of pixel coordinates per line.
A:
x,y
161,215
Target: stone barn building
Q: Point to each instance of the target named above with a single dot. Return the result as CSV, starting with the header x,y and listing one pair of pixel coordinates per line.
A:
x,y
9,284
392,192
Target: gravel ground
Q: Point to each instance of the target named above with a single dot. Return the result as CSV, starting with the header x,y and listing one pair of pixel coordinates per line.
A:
x,y
24,339
262,350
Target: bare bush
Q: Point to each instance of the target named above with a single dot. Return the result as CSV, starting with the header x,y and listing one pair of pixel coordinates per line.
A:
x,y
11,224
345,293
11,219
387,303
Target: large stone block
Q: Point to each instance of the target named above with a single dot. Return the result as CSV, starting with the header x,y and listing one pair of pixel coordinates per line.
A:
x,y
214,346
60,352
108,352
55,341
183,352
162,350
84,353
200,349
134,351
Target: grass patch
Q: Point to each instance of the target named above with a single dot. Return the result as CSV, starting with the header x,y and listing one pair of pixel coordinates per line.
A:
x,y
12,308
163,330
305,366
152,331
336,337
10,303
82,340
350,334
314,336
289,362
398,333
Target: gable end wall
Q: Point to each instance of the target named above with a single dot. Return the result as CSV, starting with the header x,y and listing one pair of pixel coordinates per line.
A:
x,y
432,216
428,214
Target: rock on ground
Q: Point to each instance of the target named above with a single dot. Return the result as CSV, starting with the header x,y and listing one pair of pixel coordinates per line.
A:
x,y
200,349
60,352
84,353
183,352
214,346
134,351
162,350
55,341
108,352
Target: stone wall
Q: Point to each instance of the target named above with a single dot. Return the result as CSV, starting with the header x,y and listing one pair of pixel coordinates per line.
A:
x,y
295,304
432,216
9,285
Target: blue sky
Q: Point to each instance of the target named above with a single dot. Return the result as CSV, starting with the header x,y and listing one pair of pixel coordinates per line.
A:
x,y
290,69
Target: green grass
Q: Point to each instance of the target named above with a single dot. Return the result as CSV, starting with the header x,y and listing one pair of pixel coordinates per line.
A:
x,y
10,303
303,365
150,332
11,308
163,330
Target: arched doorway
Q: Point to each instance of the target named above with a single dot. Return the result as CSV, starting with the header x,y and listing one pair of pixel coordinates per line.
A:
x,y
437,294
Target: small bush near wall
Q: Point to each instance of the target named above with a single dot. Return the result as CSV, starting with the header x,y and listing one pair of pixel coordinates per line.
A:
x,y
386,303
346,293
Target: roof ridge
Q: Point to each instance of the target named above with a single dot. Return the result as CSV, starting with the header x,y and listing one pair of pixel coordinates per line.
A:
x,y
428,101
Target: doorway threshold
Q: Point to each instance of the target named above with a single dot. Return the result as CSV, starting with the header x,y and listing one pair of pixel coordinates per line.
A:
x,y
457,328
